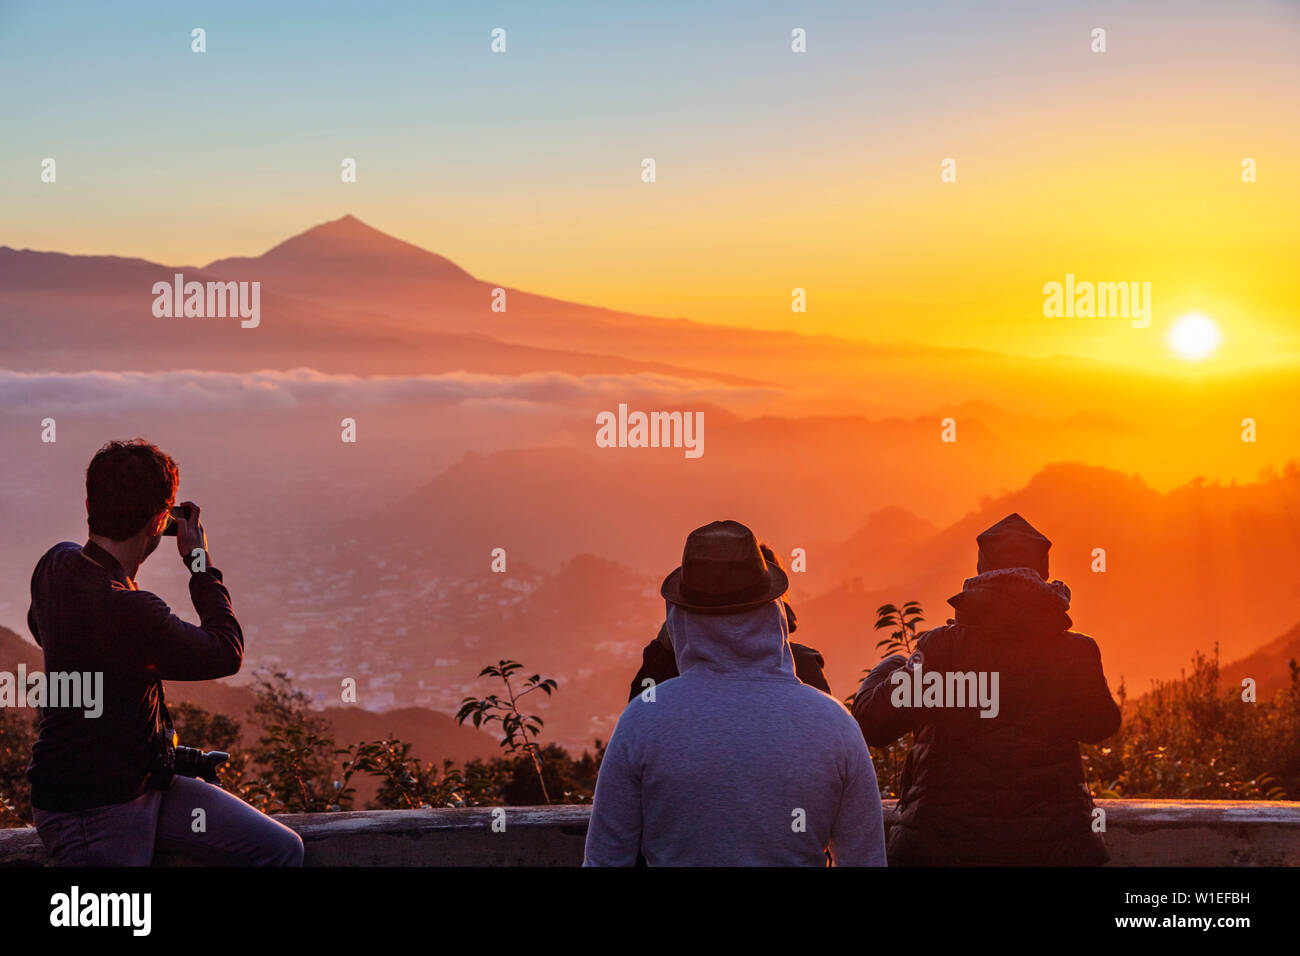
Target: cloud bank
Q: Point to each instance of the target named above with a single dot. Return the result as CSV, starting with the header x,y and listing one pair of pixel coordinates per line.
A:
x,y
190,390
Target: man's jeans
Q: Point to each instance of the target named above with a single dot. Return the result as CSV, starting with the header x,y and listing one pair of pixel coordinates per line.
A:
x,y
165,823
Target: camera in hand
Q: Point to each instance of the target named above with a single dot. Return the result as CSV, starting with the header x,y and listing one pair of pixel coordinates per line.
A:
x,y
171,760
180,511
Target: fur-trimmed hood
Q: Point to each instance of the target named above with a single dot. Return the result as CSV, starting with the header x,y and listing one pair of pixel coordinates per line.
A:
x,y
1013,603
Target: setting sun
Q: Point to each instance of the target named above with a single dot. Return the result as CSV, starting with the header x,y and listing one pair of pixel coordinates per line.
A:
x,y
1194,336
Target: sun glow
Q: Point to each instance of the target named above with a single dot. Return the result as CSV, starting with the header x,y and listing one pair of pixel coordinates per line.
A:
x,y
1194,336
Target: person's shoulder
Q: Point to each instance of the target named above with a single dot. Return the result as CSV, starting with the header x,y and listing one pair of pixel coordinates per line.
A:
x,y
808,653
835,725
135,602
1082,644
938,642
646,716
57,556
817,701
656,654
138,599
645,705
939,635
62,550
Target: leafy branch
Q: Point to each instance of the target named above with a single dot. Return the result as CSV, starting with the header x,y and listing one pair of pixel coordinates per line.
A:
x,y
904,621
519,730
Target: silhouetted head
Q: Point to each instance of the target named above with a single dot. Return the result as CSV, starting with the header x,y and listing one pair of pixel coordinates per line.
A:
x,y
130,487
773,562
724,571
1012,543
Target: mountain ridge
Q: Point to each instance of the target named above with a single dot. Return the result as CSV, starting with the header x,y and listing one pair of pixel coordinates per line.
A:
x,y
353,245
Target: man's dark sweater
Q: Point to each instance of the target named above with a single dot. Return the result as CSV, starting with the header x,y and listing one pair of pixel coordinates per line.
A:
x,y
88,615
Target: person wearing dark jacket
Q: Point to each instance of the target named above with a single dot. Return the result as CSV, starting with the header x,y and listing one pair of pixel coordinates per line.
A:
x,y
659,663
102,794
1002,783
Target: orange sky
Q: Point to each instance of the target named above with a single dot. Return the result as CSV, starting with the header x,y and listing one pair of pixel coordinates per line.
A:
x,y
775,171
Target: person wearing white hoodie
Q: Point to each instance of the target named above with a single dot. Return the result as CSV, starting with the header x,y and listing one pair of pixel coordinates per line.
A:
x,y
735,762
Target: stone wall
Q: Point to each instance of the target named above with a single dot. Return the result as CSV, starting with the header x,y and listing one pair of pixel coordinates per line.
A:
x,y
1138,832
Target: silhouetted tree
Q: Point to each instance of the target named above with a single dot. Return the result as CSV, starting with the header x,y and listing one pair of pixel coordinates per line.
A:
x,y
297,763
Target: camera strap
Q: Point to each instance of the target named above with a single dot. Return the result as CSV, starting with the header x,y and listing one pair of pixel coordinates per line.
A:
x,y
164,715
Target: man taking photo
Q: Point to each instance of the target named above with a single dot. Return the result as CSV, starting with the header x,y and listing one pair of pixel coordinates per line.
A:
x,y
107,790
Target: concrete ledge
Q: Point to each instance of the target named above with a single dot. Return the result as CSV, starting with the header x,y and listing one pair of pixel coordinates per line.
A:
x,y
533,836
1202,832
1138,832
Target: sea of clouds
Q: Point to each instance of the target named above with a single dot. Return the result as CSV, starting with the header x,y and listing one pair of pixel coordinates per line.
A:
x,y
197,391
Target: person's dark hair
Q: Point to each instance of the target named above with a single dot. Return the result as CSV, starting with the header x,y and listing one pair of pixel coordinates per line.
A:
x,y
127,484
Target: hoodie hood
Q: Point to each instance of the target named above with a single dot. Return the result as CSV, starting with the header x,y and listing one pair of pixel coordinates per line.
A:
x,y
1012,603
754,643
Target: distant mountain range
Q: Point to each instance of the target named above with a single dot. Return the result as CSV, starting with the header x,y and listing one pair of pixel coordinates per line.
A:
x,y
1270,666
1203,564
1184,570
83,312
1179,566
343,296
477,432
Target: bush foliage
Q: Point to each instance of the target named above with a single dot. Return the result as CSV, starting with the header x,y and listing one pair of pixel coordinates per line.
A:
x,y
1187,738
